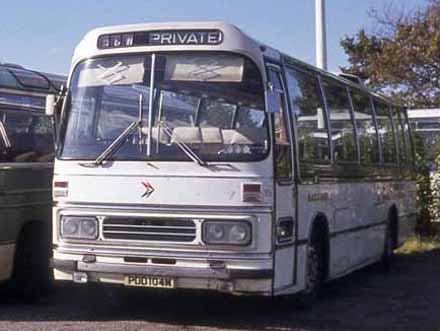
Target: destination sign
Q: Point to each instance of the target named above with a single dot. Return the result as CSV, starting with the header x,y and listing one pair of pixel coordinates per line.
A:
x,y
161,38
213,37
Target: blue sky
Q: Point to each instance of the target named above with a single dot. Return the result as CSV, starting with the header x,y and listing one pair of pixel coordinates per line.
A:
x,y
42,34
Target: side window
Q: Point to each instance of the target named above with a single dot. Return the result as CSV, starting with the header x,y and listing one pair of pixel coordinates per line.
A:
x,y
7,79
309,116
282,149
366,129
30,135
401,142
406,136
341,122
386,132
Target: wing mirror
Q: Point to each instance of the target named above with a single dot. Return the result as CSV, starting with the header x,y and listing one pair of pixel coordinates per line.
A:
x,y
51,105
54,103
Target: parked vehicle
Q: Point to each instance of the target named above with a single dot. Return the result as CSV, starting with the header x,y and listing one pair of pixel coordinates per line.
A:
x,y
26,167
192,156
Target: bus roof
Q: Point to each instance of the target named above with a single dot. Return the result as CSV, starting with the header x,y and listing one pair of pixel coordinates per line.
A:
x,y
16,77
232,39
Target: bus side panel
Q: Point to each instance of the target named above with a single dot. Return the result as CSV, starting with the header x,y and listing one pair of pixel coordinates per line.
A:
x,y
284,267
25,196
356,222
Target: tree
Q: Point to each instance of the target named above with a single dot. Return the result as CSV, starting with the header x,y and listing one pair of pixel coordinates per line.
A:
x,y
401,57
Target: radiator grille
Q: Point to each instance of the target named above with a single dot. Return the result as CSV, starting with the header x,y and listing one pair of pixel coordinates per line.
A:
x,y
140,229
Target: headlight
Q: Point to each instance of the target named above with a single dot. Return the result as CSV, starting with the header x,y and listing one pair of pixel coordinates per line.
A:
x,y
229,233
73,227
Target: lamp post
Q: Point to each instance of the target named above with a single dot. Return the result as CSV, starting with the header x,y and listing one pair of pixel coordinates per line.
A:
x,y
321,38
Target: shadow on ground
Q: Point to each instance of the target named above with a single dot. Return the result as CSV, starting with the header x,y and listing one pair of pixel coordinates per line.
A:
x,y
406,298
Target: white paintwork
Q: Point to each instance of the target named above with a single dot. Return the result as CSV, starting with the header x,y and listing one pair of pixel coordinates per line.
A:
x,y
187,190
284,267
234,41
424,113
7,252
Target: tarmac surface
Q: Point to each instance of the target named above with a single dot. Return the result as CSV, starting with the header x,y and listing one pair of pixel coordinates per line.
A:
x,y
406,298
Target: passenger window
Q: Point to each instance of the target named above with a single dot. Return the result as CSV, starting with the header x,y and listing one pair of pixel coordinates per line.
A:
x,y
386,132
283,156
366,129
309,116
30,135
341,122
403,157
406,136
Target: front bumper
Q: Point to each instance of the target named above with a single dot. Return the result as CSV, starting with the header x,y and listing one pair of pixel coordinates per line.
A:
x,y
219,278
237,270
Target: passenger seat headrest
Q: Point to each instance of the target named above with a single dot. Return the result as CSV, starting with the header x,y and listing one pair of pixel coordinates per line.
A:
x,y
187,135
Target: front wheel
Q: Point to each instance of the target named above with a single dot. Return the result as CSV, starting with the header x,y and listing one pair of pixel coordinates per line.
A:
x,y
314,273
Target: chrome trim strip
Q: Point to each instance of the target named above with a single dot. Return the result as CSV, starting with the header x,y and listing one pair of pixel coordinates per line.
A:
x,y
152,226
21,92
76,174
166,253
25,165
163,208
169,271
151,233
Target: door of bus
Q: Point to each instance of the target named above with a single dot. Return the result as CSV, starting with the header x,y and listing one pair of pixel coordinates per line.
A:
x,y
285,197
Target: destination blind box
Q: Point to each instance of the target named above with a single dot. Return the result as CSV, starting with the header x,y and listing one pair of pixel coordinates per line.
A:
x,y
161,38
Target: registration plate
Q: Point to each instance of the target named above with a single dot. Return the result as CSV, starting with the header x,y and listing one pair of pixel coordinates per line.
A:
x,y
149,281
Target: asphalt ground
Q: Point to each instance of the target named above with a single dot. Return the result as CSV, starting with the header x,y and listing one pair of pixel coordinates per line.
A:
x,y
406,298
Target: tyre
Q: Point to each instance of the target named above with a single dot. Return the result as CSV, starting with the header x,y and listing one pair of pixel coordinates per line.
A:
x,y
31,275
315,272
388,251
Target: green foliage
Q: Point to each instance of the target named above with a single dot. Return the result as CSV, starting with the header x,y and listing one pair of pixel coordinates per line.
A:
x,y
424,194
435,187
401,59
418,245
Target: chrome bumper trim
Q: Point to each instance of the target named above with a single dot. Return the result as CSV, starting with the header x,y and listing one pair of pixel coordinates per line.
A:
x,y
163,208
169,271
164,253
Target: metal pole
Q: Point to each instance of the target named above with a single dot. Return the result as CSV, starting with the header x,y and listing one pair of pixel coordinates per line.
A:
x,y
150,104
321,39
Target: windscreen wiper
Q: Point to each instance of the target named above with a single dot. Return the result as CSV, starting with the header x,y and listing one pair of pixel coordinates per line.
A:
x,y
4,136
183,146
115,145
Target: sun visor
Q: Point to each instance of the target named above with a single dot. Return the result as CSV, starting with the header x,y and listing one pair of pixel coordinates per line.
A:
x,y
113,72
207,68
